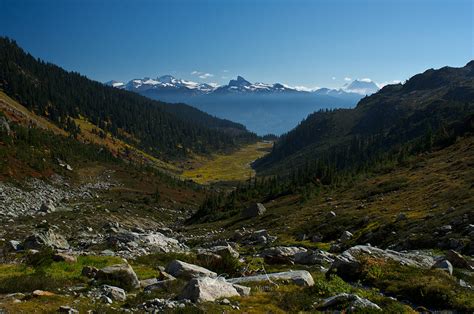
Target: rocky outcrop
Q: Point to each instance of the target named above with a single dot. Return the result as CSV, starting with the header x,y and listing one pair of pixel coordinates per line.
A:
x,y
46,238
254,210
114,293
282,254
298,255
206,289
348,264
457,260
123,239
444,265
224,251
122,274
348,302
298,277
185,270
63,257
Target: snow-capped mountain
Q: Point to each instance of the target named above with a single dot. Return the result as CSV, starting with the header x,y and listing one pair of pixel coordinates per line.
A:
x,y
261,107
165,83
241,85
115,84
168,83
362,87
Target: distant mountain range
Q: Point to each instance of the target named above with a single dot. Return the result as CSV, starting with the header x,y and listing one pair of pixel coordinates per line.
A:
x,y
263,108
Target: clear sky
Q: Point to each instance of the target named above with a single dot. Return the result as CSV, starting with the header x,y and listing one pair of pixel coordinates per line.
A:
x,y
300,43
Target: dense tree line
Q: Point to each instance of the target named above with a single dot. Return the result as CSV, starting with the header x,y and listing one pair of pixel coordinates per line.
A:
x,y
52,92
399,113
335,147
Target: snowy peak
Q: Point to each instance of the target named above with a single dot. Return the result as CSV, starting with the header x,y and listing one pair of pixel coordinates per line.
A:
x,y
168,83
115,84
241,85
363,87
239,82
163,83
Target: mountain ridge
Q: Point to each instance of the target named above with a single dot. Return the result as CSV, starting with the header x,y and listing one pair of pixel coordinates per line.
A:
x,y
428,103
262,108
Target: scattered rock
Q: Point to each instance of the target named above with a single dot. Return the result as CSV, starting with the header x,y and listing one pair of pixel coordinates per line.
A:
x,y
445,228
185,270
259,237
346,236
46,238
206,289
47,207
148,282
254,210
63,257
163,305
346,301
89,271
444,265
298,277
121,274
242,290
348,265
42,293
457,260
16,245
161,284
209,257
224,251
282,254
316,257
330,215
114,293
67,309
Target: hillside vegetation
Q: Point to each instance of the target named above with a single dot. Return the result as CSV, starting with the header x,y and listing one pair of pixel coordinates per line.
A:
x,y
435,105
157,128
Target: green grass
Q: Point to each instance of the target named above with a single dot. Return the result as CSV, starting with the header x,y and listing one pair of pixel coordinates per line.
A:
x,y
432,288
44,274
232,167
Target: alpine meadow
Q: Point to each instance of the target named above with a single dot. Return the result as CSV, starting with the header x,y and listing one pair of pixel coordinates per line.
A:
x,y
241,156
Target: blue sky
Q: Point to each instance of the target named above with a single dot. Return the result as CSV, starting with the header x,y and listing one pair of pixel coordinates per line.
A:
x,y
300,43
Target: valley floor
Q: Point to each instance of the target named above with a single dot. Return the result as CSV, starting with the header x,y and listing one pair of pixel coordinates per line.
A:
x,y
227,168
55,250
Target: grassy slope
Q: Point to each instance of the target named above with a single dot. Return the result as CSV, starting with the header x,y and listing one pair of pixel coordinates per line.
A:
x,y
18,113
232,167
424,190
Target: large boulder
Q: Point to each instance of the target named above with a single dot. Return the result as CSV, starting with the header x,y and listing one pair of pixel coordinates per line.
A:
x,y
316,257
254,210
298,277
259,237
206,289
348,302
45,238
282,254
185,270
114,293
348,265
444,265
63,257
224,251
122,275
298,255
154,241
457,260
